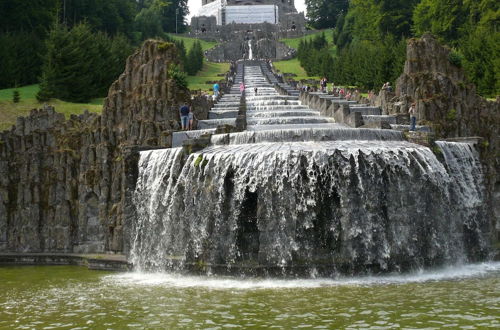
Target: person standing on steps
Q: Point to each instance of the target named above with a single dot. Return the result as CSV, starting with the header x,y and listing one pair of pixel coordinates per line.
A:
x,y
190,119
242,87
216,90
413,119
255,90
184,113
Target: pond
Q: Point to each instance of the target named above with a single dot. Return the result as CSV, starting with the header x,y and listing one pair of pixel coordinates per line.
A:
x,y
74,297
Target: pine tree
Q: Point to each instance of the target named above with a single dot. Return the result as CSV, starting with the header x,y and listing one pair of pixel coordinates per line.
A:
x,y
194,60
16,96
79,64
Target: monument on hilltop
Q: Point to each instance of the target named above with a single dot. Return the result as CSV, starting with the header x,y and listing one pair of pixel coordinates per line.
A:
x,y
241,23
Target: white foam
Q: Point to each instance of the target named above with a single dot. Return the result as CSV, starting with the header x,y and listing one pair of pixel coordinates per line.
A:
x,y
225,283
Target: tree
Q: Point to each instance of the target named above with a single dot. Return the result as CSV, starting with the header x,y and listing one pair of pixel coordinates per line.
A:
x,y
28,16
110,16
174,14
23,27
15,96
79,63
443,18
194,60
324,14
149,20
396,17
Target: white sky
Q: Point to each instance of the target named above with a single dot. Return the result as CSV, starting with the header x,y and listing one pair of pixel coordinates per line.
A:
x,y
194,6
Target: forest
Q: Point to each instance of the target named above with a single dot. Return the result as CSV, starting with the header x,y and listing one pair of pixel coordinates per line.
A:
x,y
75,49
370,38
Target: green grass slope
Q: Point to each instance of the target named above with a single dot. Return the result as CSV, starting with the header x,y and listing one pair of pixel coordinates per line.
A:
x,y
210,72
9,110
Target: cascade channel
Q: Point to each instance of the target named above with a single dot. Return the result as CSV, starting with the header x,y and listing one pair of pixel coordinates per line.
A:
x,y
298,194
250,51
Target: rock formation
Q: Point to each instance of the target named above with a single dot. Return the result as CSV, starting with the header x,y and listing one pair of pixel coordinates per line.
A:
x,y
449,103
62,180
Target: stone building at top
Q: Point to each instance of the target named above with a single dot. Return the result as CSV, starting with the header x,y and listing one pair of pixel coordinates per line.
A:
x,y
216,13
248,11
238,25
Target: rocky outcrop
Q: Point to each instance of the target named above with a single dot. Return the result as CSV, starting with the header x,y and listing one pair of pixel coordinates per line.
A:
x,y
62,181
449,103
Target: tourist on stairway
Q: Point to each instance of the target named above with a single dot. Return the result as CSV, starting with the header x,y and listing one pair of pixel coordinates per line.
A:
x,y
216,90
190,118
242,87
184,113
413,119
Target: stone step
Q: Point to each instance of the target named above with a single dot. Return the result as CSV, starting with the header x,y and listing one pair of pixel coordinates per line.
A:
x,y
382,118
226,105
222,114
224,109
213,123
268,114
289,120
418,128
179,137
367,110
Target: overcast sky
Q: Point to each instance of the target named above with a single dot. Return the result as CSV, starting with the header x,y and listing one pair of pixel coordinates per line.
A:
x,y
194,6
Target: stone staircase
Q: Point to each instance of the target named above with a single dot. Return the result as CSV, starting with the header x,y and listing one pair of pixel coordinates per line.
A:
x,y
277,106
269,110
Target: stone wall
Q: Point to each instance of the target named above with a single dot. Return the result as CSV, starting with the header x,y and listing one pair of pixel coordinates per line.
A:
x,y
62,181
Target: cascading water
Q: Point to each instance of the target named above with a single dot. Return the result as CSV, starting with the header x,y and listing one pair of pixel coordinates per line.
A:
x,y
332,206
308,200
250,52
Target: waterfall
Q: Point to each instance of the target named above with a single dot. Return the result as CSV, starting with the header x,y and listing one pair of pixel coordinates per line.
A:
x,y
297,207
250,52
297,194
467,193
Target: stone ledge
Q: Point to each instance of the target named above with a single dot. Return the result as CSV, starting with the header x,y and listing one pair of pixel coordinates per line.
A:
x,y
108,262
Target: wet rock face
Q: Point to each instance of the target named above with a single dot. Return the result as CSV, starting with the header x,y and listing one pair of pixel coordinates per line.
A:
x,y
62,180
142,103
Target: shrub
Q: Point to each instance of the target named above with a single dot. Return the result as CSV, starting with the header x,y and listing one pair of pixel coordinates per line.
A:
x,y
16,97
455,58
175,73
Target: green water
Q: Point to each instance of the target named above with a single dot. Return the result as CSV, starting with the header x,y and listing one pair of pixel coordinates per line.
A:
x,y
74,297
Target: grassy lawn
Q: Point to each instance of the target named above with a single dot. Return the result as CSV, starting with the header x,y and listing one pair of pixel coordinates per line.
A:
x,y
9,110
188,42
293,65
210,72
294,42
